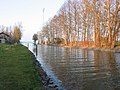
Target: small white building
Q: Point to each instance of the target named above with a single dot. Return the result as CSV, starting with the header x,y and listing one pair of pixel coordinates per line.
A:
x,y
4,38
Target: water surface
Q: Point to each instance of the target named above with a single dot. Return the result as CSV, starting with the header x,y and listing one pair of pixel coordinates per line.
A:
x,y
80,69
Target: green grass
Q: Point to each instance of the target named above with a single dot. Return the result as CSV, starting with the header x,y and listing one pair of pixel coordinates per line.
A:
x,y
17,71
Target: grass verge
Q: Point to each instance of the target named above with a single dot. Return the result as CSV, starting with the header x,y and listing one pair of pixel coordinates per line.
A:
x,y
17,71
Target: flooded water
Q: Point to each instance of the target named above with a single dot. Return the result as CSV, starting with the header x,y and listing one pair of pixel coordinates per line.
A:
x,y
81,69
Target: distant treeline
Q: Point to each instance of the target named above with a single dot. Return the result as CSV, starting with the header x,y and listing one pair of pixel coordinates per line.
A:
x,y
94,23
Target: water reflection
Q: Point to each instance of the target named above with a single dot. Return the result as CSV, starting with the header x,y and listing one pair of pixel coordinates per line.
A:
x,y
81,69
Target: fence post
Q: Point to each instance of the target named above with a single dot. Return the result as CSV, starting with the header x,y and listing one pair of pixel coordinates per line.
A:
x,y
36,49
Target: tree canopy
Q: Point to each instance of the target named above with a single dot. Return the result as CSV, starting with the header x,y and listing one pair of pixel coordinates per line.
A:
x,y
35,38
94,23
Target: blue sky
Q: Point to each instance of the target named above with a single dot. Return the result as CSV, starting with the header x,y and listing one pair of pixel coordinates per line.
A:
x,y
29,12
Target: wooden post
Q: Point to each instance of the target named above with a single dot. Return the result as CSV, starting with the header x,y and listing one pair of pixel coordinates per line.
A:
x,y
36,50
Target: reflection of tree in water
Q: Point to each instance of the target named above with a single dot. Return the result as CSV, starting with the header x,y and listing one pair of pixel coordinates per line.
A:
x,y
111,62
114,72
105,69
82,69
35,49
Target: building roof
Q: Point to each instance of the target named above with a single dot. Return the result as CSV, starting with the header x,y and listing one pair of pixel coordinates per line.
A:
x,y
6,37
5,34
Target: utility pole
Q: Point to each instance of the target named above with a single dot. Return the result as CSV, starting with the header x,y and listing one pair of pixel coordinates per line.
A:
x,y
43,15
42,38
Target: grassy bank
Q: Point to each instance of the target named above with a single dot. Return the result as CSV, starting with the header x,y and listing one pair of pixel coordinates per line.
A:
x,y
17,71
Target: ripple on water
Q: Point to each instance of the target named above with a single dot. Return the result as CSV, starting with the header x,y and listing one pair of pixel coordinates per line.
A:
x,y
80,69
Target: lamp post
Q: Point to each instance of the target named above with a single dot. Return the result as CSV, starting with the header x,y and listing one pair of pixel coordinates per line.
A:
x,y
43,15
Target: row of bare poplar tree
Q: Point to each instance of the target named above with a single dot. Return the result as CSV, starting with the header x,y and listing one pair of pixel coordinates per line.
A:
x,y
15,33
86,22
